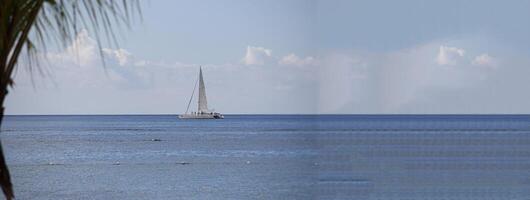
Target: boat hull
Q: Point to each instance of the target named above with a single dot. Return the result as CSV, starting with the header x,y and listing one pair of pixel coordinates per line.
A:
x,y
202,116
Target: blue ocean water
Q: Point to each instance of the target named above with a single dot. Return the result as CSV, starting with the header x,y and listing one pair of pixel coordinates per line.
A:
x,y
269,157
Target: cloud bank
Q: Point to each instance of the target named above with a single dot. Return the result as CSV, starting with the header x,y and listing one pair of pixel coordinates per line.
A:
x,y
435,77
132,84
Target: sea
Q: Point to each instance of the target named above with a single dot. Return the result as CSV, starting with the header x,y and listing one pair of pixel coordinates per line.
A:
x,y
361,157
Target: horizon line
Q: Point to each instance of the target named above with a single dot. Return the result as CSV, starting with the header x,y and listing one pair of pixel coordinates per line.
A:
x,y
275,114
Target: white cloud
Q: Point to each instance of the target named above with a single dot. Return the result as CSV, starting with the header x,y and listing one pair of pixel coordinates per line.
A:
x,y
293,59
256,55
449,55
121,55
78,66
82,51
484,60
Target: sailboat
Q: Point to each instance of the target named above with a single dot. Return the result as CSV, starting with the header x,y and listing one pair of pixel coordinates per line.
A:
x,y
202,111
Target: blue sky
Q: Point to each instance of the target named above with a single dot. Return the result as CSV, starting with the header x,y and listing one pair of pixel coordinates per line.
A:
x,y
296,56
381,25
217,31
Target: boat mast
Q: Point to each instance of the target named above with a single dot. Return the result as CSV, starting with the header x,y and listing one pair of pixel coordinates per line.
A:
x,y
191,98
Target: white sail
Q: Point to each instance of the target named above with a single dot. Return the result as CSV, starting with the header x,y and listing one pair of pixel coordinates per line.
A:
x,y
202,111
203,103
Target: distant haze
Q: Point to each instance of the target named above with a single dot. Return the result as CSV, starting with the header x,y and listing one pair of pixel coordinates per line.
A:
x,y
297,56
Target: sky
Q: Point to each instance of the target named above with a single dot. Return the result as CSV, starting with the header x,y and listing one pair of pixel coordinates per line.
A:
x,y
295,57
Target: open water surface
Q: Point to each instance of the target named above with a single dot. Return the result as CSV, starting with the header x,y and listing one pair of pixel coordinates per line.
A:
x,y
376,157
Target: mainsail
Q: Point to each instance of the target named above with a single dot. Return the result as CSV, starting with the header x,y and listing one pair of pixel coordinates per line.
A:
x,y
202,111
203,104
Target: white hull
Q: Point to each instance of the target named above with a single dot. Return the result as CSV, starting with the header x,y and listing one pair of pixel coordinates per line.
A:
x,y
202,116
